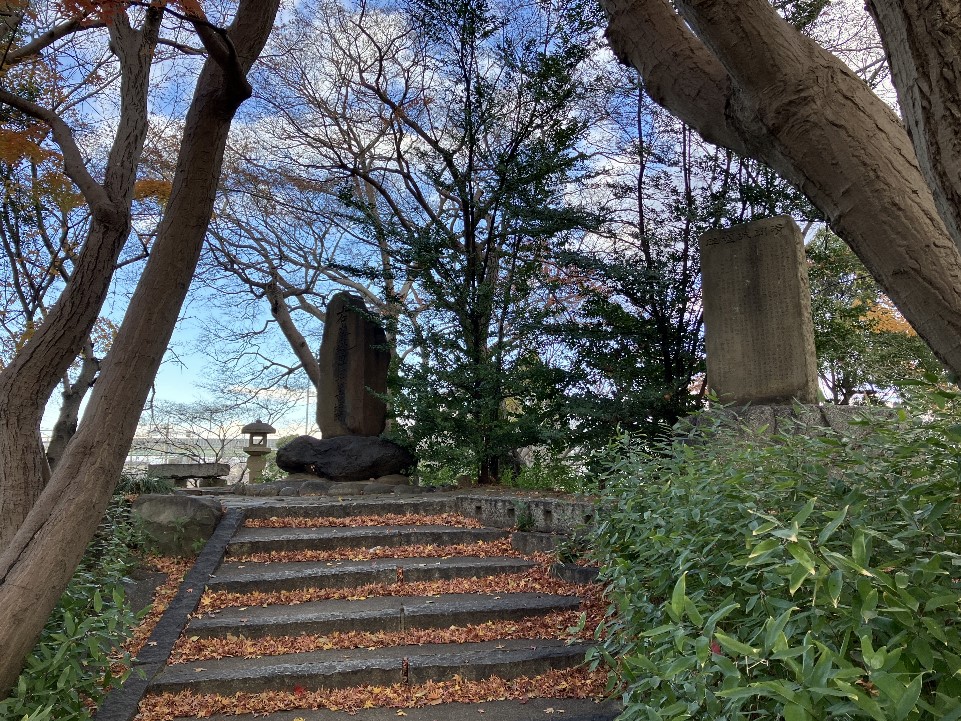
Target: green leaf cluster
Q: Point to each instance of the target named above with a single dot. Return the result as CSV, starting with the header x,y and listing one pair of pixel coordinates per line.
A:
x,y
864,348
805,576
71,666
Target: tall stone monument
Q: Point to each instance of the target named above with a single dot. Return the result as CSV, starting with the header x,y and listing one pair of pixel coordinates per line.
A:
x,y
757,314
353,358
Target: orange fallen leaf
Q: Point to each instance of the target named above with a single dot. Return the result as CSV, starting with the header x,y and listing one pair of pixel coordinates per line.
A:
x,y
583,684
387,519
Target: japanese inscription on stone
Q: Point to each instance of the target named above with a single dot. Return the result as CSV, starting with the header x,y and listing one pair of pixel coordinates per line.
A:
x,y
757,314
354,362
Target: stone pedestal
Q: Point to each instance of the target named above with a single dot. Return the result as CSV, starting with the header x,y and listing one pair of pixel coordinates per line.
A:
x,y
353,358
256,462
757,314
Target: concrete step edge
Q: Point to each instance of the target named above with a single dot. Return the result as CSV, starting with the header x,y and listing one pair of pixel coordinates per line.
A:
x,y
300,575
333,508
535,709
388,613
385,666
254,540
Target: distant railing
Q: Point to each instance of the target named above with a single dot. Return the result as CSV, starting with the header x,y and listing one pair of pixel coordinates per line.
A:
x,y
145,450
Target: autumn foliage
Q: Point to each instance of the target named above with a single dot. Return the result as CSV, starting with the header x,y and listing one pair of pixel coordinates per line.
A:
x,y
176,569
560,684
537,580
480,549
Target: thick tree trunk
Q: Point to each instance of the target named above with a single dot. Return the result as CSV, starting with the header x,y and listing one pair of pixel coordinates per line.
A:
x,y
37,564
749,81
30,378
922,39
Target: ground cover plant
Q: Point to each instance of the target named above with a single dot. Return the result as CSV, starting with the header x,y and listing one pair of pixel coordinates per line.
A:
x,y
800,577
79,655
89,640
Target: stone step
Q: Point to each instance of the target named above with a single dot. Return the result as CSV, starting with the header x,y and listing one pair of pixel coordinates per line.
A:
x,y
387,613
265,540
296,575
319,507
535,709
378,667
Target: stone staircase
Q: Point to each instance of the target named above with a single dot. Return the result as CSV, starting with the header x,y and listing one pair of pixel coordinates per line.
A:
x,y
242,604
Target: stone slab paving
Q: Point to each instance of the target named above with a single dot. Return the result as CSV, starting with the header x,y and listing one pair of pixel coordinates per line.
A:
x,y
548,709
261,540
388,613
296,575
341,668
316,507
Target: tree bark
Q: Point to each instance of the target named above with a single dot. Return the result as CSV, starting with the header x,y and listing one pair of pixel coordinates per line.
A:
x,y
295,339
39,561
73,395
30,378
748,80
922,39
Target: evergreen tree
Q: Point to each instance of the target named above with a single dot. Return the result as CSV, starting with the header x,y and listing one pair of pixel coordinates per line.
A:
x,y
474,387
865,348
637,332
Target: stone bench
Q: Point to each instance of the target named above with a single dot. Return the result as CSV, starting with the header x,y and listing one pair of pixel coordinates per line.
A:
x,y
206,474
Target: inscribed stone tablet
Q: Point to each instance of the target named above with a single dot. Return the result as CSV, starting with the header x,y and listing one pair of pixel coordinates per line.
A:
x,y
757,314
354,362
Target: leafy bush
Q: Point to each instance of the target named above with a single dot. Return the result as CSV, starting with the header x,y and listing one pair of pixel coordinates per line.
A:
x,y
71,665
272,472
434,474
138,483
797,577
548,475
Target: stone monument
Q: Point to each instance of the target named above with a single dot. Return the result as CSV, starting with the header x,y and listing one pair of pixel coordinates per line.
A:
x,y
757,314
351,458
354,361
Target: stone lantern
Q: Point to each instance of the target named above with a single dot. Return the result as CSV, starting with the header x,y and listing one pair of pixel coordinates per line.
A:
x,y
257,449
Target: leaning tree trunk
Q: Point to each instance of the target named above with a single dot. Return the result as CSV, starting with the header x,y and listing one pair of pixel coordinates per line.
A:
x,y
30,378
38,563
747,80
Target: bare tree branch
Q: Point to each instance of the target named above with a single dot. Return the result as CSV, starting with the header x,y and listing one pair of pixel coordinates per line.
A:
x,y
77,22
73,162
186,49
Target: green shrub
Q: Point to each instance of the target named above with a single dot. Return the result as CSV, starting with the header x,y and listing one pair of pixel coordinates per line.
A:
x,y
138,482
549,475
437,475
71,664
273,472
796,577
